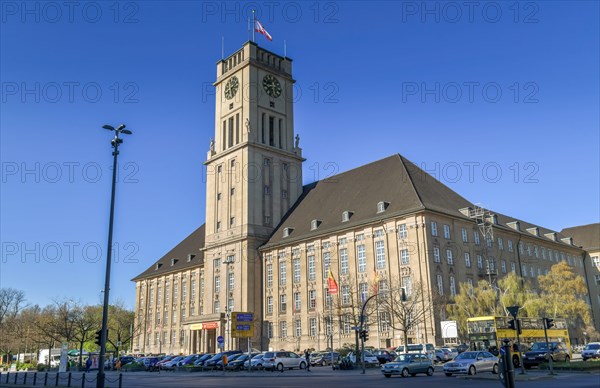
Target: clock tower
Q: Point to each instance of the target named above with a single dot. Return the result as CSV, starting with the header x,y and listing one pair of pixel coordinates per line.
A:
x,y
254,175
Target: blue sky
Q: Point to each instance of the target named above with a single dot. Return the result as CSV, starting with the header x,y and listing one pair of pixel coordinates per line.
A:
x,y
499,101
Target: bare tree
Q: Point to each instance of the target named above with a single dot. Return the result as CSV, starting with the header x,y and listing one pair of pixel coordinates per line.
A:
x,y
407,315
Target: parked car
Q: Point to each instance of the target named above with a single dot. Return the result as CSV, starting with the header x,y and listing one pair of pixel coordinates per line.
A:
x,y
164,361
202,359
472,363
256,362
427,349
211,363
384,355
230,359
283,360
442,355
326,357
453,352
408,364
370,359
239,362
539,354
462,348
172,363
189,360
315,358
591,350
150,363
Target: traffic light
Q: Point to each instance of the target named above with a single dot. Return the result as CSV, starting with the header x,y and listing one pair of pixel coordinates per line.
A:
x,y
512,325
548,323
364,335
518,326
98,337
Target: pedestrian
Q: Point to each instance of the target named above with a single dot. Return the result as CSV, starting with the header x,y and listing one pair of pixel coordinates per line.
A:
x,y
88,364
118,364
307,358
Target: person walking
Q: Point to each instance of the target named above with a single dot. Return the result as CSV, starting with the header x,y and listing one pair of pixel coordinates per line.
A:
x,y
307,358
88,364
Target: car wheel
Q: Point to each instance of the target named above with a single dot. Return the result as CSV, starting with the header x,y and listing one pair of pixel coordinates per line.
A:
x,y
448,374
472,370
430,371
280,367
405,372
387,375
516,362
302,365
584,359
567,359
495,369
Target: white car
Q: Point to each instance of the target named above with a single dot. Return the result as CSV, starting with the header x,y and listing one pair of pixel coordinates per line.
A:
x,y
369,358
283,360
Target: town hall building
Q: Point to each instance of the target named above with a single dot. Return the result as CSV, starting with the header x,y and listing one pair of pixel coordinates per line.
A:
x,y
269,245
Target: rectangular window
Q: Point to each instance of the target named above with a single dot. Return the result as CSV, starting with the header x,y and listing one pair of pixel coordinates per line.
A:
x,y
175,291
597,279
440,284
503,266
174,319
311,267
378,233
543,253
434,228
297,302
345,295
282,303
452,286
296,264
596,261
217,283
326,263
531,271
521,248
167,293
476,238
524,270
488,241
528,249
402,232
407,285
269,275
510,245
513,267
312,299
230,281
479,261
361,258
467,260
283,329
312,327
217,307
404,257
436,254
464,234
193,289
183,289
449,257
344,261
447,232
536,252
269,330
346,324
297,328
282,273
500,244
363,291
384,321
269,305
380,254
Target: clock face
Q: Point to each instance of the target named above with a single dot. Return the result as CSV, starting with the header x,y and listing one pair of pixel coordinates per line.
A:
x,y
231,87
272,86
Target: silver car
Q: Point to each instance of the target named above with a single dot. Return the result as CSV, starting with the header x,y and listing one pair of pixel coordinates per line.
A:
x,y
472,363
283,360
591,350
408,365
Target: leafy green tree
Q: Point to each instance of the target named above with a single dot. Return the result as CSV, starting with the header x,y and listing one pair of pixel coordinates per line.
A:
x,y
474,301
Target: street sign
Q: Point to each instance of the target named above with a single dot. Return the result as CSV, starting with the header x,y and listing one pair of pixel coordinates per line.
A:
x,y
242,325
513,310
220,339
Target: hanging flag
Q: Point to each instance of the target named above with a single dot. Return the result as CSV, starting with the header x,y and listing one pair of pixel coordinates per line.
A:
x,y
260,29
376,283
331,283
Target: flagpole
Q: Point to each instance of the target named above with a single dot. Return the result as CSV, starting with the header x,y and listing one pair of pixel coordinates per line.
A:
x,y
222,47
284,49
248,28
253,25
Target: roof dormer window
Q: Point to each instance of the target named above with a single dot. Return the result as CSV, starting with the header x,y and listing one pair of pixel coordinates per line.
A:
x,y
157,267
190,257
346,216
173,262
381,206
314,224
287,232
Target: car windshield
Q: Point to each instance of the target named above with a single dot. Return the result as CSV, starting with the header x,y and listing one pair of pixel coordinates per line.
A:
x,y
258,356
592,347
467,356
539,346
403,358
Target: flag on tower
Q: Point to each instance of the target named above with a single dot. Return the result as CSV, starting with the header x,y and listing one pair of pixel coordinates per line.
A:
x,y
331,283
260,29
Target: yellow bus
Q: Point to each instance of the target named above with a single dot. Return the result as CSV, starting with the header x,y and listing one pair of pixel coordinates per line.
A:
x,y
487,333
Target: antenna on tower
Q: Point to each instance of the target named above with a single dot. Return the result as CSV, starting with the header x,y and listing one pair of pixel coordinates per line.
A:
x,y
284,49
222,47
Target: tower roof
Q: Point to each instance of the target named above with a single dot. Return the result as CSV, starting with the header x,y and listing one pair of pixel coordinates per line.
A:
x,y
587,236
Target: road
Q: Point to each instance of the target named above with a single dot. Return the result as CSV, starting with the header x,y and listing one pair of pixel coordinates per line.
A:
x,y
324,377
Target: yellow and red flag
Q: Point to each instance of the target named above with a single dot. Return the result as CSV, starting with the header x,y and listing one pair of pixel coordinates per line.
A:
x,y
331,283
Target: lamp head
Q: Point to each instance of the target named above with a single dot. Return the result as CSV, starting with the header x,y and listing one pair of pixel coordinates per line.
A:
x,y
109,127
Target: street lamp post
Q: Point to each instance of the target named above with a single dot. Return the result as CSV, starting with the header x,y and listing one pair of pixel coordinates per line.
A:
x,y
116,141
